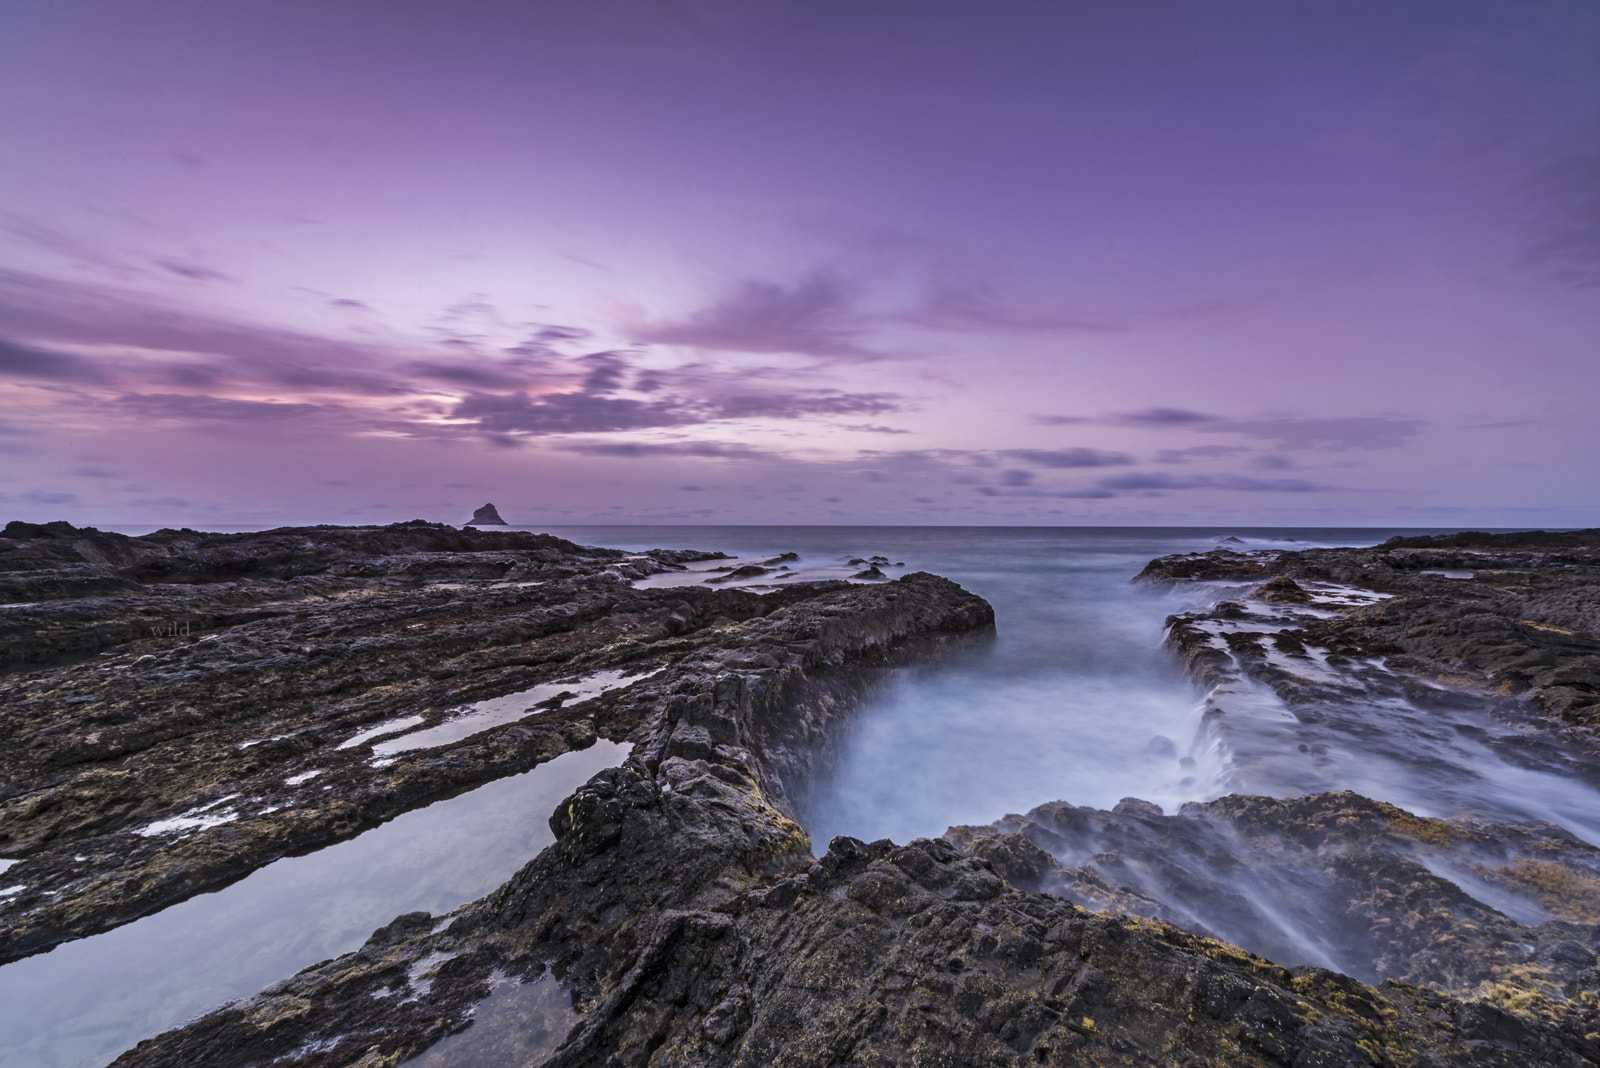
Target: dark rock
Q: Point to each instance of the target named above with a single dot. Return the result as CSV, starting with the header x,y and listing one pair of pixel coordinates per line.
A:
x,y
746,572
690,923
190,684
1282,590
486,516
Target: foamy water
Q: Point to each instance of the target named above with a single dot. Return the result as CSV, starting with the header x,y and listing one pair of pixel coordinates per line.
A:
x,y
1076,700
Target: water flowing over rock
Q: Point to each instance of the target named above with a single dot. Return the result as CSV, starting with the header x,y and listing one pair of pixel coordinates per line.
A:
x,y
681,915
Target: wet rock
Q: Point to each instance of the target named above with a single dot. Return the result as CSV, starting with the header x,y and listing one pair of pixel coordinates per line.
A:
x,y
1282,590
685,915
226,710
748,571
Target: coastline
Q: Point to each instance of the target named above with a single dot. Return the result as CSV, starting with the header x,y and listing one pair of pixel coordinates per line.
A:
x,y
681,908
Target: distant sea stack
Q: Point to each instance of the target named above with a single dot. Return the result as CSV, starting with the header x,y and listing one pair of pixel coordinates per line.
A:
x,y
486,516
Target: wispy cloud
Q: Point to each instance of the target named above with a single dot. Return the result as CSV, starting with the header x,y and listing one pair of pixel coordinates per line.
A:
x,y
812,317
563,413
1283,432
1566,220
200,407
1161,480
1361,432
640,449
1145,417
1161,417
1079,457
975,305
25,362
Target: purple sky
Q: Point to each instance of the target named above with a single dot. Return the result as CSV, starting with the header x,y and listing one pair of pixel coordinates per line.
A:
x,y
1325,263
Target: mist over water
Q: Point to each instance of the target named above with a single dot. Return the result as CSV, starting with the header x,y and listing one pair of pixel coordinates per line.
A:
x,y
1075,699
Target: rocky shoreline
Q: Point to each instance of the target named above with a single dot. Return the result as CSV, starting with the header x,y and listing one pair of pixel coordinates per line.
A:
x,y
681,917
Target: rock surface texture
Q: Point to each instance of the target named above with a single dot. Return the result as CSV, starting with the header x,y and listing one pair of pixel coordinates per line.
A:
x,y
681,918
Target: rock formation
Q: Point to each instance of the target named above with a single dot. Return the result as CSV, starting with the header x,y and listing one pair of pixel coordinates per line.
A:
x,y
681,917
486,516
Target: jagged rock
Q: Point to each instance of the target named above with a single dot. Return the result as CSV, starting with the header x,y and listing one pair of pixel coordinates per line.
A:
x,y
688,922
230,663
485,516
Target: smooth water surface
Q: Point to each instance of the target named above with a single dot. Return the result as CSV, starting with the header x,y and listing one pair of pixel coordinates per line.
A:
x,y
84,1002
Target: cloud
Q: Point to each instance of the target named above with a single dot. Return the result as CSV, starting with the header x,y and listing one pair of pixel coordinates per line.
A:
x,y
63,313
872,428
1161,417
1140,480
812,317
481,374
35,363
974,306
173,364
1566,222
1088,493
1285,432
802,403
1208,452
192,271
97,472
1016,477
640,449
563,413
1265,485
1144,417
1068,457
606,371
1362,432
201,407
1161,480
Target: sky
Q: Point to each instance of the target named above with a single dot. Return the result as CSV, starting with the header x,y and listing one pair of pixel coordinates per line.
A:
x,y
1008,262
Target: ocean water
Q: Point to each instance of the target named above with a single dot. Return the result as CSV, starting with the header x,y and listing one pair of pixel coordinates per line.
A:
x,y
1075,699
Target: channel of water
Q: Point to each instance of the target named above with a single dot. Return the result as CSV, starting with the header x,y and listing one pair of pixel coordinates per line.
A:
x,y
84,1002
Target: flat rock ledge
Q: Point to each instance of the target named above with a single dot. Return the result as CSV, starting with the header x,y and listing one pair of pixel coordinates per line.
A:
x,y
680,918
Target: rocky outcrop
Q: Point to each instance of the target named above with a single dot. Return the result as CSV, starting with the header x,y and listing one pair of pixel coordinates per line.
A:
x,y
486,516
1362,887
1518,613
681,918
219,711
1502,625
